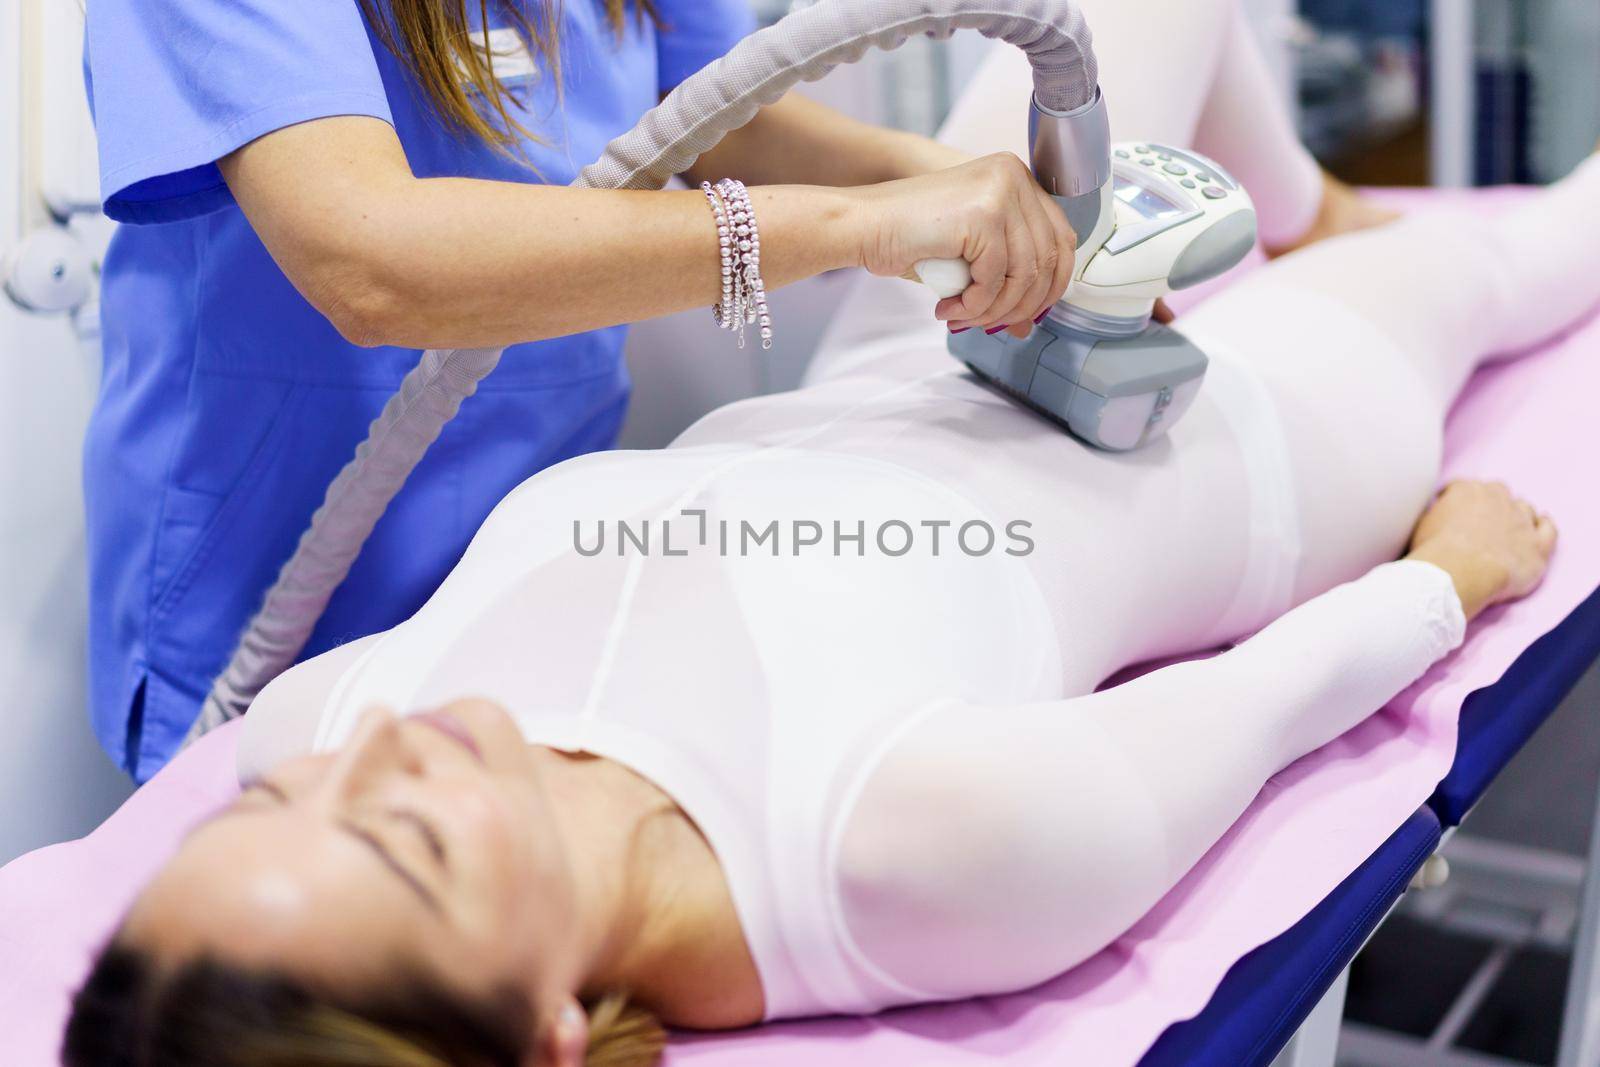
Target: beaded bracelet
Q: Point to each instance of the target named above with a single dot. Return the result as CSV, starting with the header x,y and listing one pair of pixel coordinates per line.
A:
x,y
723,312
748,242
744,293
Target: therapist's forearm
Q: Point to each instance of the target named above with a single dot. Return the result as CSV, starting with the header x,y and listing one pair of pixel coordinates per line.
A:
x,y
460,262
801,140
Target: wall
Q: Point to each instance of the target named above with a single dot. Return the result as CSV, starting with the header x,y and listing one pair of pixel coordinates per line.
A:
x,y
54,781
1563,48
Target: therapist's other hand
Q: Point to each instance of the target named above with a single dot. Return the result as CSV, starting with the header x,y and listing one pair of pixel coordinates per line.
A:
x,y
989,212
1494,546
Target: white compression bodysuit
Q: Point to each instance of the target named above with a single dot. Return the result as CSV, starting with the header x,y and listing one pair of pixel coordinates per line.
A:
x,y
899,757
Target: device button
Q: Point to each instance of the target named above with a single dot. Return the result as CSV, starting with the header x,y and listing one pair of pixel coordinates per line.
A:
x,y
1202,175
1163,157
1187,183
1122,153
1147,161
1175,168
1142,149
1211,192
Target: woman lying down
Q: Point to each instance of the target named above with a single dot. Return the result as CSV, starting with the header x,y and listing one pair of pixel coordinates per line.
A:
x,y
798,716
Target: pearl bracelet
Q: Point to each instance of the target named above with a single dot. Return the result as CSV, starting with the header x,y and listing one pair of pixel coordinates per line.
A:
x,y
724,311
744,293
748,242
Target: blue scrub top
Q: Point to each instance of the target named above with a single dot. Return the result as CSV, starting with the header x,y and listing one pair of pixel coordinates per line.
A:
x,y
228,403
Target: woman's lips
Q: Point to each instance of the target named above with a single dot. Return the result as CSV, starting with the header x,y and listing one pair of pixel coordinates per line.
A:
x,y
451,727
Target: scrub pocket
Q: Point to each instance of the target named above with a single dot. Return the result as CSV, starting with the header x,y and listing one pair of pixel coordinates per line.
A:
x,y
214,551
253,462
207,529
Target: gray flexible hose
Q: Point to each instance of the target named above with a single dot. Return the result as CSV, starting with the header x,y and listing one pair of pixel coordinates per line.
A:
x,y
808,44
688,123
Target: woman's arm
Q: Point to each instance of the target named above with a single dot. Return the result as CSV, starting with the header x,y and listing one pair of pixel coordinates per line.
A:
x,y
996,847
1493,546
457,262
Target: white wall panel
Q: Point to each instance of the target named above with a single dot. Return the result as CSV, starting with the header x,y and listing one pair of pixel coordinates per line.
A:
x,y
54,781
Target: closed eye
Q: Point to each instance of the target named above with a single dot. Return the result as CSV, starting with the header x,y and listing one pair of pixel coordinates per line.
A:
x,y
377,848
264,786
425,830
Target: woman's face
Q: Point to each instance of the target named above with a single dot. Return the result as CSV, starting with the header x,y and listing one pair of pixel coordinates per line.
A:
x,y
426,841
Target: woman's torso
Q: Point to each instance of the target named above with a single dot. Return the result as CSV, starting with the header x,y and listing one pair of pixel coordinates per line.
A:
x,y
759,679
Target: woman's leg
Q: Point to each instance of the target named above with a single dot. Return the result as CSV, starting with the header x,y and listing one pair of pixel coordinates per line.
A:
x,y
1365,341
1155,83
1245,127
1184,73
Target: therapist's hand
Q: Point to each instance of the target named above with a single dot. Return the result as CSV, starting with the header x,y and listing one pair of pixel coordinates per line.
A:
x,y
991,213
1494,546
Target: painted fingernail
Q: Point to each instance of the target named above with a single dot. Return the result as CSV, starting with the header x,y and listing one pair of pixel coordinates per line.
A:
x,y
963,329
1037,319
996,329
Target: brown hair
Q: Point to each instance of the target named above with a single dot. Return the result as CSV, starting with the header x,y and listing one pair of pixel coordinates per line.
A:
x,y
434,39
206,1013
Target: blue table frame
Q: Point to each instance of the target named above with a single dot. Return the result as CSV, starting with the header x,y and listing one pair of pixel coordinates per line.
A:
x,y
1271,993
1268,994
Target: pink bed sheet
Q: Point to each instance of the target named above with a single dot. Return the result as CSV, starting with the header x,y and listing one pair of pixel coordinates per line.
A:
x,y
1526,422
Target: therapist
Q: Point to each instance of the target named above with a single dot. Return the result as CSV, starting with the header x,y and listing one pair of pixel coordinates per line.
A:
x,y
321,189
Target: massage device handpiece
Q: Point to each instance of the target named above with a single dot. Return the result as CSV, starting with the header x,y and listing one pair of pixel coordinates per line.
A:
x,y
1150,220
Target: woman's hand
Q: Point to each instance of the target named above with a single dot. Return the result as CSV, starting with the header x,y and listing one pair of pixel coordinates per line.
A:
x,y
1494,546
989,212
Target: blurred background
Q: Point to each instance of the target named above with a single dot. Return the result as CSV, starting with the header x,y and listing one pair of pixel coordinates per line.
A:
x,y
1387,92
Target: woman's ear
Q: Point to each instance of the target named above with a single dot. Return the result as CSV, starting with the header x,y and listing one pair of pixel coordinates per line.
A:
x,y
566,1036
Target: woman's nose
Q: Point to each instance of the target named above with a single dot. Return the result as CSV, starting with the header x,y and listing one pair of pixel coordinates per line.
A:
x,y
376,751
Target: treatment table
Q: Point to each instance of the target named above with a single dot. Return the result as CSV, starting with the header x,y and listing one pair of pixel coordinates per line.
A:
x,y
1282,1003
1244,963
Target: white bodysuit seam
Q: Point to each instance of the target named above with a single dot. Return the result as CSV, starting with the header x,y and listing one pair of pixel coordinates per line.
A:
x,y
1266,589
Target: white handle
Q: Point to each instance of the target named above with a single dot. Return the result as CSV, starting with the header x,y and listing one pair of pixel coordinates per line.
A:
x,y
48,271
946,277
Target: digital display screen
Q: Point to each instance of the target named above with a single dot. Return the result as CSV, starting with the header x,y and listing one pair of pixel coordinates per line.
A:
x,y
1147,202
